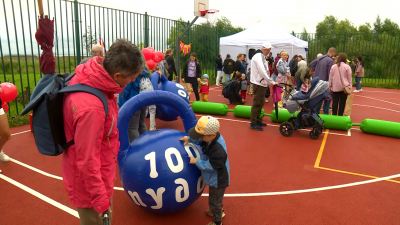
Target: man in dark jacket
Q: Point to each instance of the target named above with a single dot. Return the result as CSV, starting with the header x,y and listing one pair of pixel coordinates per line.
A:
x,y
213,162
228,67
322,67
218,61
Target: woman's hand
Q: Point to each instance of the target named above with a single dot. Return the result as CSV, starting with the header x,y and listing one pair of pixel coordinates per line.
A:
x,y
192,160
198,80
288,74
183,79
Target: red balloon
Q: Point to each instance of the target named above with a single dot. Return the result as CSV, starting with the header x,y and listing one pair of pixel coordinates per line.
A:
x,y
147,53
151,64
158,57
5,107
8,92
151,49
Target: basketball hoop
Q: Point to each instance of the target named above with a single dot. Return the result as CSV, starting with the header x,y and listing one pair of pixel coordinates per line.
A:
x,y
211,15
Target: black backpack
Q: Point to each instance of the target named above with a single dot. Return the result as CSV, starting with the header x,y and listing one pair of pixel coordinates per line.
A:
x,y
226,88
48,119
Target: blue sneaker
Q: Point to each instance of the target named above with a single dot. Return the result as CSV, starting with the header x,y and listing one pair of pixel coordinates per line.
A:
x,y
261,124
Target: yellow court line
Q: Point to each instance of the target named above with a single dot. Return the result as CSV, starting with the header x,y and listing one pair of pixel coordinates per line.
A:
x,y
356,174
321,149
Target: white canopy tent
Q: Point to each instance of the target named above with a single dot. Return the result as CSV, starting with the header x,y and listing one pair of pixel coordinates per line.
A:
x,y
256,35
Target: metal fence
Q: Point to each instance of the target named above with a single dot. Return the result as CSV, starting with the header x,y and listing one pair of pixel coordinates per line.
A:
x,y
20,52
380,53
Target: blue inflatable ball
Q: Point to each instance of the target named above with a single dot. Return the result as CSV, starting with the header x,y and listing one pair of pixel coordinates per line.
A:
x,y
156,173
154,168
164,112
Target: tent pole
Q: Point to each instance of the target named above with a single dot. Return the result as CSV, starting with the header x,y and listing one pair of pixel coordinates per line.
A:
x,y
292,50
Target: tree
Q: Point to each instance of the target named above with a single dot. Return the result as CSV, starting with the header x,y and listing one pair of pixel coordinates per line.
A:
x,y
88,39
377,25
390,27
327,26
304,35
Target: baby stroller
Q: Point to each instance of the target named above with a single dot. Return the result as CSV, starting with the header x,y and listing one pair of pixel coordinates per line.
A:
x,y
307,117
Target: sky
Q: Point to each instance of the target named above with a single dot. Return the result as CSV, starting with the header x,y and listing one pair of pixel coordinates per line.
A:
x,y
290,14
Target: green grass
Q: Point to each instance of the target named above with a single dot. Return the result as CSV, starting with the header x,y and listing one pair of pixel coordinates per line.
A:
x,y
380,83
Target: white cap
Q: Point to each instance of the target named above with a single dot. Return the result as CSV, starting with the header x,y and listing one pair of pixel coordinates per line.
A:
x,y
266,45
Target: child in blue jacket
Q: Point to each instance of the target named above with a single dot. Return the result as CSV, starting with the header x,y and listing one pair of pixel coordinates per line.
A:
x,y
214,164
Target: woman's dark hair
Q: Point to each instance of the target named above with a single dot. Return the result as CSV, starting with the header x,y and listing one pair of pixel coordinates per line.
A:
x,y
125,58
219,56
194,55
238,75
341,58
228,56
361,61
295,56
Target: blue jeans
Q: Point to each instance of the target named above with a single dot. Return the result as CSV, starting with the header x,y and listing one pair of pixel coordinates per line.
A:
x,y
298,84
274,77
227,77
327,104
137,124
358,83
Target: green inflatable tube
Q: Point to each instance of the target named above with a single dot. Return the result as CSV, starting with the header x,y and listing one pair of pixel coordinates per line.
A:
x,y
381,127
283,115
244,111
336,122
210,108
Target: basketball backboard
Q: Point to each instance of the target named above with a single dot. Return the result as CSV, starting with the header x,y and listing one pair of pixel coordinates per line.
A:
x,y
199,7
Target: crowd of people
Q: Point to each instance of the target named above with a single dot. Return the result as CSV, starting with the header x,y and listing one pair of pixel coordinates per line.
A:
x,y
266,70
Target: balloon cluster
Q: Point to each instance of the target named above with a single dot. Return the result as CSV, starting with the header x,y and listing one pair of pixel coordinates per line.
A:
x,y
152,57
8,92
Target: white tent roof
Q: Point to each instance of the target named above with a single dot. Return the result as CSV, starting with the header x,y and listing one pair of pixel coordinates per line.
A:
x,y
264,30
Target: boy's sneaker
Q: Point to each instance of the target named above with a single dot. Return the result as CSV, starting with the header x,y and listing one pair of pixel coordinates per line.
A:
x,y
152,128
209,213
4,157
261,124
256,127
212,223
355,91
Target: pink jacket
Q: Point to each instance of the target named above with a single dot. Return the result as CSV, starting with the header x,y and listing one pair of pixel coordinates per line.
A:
x,y
335,84
89,166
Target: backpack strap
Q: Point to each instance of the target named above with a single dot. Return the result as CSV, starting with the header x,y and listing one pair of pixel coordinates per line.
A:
x,y
84,88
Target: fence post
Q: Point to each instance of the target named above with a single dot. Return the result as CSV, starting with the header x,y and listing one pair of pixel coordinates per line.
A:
x,y
77,42
188,41
216,41
344,42
146,30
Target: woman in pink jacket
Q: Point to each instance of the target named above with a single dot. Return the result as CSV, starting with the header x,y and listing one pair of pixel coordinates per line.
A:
x,y
89,166
340,77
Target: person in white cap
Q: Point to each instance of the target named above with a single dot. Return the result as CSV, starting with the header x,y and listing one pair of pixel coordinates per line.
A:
x,y
261,79
213,163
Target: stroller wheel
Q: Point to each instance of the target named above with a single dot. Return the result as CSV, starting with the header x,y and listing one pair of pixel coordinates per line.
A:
x,y
320,129
286,129
314,134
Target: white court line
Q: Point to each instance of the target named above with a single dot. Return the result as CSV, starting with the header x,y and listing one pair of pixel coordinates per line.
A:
x,y
36,170
377,107
382,92
379,100
226,195
273,125
40,196
312,189
22,132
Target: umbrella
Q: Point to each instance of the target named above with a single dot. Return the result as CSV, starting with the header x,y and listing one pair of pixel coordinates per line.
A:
x,y
44,37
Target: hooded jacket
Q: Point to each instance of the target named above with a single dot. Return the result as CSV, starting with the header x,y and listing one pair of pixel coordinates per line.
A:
x,y
322,67
89,166
214,163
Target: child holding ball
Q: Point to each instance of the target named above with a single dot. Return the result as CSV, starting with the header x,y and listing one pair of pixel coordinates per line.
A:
x,y
214,164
